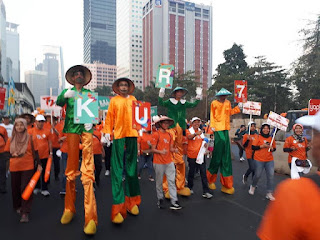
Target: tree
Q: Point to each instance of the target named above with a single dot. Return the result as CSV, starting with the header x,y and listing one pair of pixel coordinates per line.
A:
x,y
104,91
306,70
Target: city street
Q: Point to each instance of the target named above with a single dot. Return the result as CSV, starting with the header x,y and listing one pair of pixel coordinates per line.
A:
x,y
226,217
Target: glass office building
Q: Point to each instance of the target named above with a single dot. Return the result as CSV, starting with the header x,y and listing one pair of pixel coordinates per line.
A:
x,y
99,31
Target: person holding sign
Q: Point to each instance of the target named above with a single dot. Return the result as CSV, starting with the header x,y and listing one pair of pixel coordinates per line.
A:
x,y
119,121
22,150
220,123
79,76
177,106
263,159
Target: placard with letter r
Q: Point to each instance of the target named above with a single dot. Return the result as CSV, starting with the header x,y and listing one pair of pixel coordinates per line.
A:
x,y
164,76
86,108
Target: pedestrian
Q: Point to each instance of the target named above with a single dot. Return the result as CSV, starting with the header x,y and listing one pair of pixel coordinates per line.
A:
x,y
55,147
78,76
195,152
64,156
23,152
296,145
162,147
42,137
221,158
29,118
7,125
119,121
263,160
248,138
145,154
98,154
107,145
295,213
3,160
238,140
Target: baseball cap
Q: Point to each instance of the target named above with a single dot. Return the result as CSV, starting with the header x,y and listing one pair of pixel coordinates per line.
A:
x,y
194,119
40,118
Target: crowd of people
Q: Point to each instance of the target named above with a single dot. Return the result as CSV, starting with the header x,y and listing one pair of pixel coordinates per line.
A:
x,y
165,150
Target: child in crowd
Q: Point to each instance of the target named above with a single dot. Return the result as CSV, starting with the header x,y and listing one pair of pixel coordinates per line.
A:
x,y
145,154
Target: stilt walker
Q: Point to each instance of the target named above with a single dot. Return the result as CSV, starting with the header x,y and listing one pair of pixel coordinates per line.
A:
x,y
78,76
177,111
220,123
119,121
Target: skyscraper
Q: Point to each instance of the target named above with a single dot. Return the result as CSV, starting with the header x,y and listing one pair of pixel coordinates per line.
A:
x,y
13,50
37,83
99,31
129,40
3,42
179,33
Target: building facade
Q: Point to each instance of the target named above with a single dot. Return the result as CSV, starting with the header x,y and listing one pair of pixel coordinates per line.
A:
x,y
37,83
13,50
102,75
99,31
179,33
3,43
129,40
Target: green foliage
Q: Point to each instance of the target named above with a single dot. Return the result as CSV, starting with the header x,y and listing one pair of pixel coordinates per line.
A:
x,y
104,91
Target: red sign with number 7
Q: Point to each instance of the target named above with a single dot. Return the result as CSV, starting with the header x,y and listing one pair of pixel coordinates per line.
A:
x,y
240,91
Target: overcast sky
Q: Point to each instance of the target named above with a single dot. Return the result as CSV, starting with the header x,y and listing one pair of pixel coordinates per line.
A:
x,y
268,28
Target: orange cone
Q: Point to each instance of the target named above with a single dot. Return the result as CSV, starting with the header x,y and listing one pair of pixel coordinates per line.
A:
x,y
31,185
48,169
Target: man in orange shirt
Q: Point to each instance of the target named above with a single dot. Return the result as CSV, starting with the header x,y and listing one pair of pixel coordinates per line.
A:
x,y
55,147
295,213
98,152
196,142
145,154
3,160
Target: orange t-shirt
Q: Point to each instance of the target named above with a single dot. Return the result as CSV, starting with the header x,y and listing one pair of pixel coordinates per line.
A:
x,y
97,146
248,149
55,139
24,163
162,140
301,152
194,145
42,138
295,212
185,145
144,142
47,125
3,138
64,144
263,155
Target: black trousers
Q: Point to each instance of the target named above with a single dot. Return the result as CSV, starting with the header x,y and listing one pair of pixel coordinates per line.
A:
x,y
56,163
41,184
98,167
107,158
202,167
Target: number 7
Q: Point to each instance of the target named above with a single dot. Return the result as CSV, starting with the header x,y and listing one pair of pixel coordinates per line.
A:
x,y
242,87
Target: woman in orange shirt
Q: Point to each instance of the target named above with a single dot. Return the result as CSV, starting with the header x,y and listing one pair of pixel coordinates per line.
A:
x,y
22,151
263,159
296,145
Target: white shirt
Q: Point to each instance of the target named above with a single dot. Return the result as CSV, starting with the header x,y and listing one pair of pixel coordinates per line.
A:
x,y
8,127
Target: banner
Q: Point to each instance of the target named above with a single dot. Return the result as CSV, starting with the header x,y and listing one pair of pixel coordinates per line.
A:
x,y
154,111
86,108
2,97
104,102
141,115
49,103
313,106
252,108
165,75
278,121
11,98
240,91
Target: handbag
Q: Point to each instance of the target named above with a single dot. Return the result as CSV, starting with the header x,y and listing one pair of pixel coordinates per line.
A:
x,y
302,163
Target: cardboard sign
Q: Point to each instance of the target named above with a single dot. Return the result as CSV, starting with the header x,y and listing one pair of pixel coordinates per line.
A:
x,y
154,111
240,91
2,97
49,103
141,115
86,108
278,121
164,76
313,106
252,108
104,102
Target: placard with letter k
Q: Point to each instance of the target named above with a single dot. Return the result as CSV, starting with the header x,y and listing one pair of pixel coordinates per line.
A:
x,y
86,108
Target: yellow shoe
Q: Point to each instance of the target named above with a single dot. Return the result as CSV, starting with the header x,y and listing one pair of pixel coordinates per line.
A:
x,y
227,190
118,219
66,217
167,195
134,210
212,186
184,192
91,228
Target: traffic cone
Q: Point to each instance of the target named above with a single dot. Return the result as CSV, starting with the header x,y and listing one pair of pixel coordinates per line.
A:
x,y
48,169
31,185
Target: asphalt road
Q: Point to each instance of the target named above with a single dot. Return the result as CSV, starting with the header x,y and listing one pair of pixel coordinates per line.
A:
x,y
225,217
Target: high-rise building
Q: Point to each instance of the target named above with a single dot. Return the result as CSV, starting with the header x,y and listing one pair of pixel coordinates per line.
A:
x,y
99,31
37,83
179,33
129,40
13,50
102,74
3,43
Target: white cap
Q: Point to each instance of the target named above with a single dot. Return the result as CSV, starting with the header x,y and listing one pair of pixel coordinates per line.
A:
x,y
194,119
312,121
40,118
